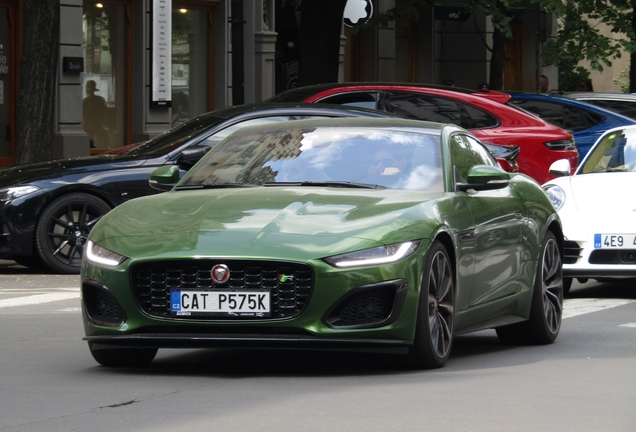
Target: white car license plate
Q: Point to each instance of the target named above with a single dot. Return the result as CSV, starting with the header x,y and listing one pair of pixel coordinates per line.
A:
x,y
248,303
614,241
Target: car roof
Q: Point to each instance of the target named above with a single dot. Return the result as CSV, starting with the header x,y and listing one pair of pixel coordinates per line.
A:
x,y
303,93
598,95
571,101
232,111
358,122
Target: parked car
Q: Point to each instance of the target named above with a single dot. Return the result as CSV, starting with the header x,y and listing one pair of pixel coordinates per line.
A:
x,y
343,233
47,209
598,208
586,122
621,103
484,113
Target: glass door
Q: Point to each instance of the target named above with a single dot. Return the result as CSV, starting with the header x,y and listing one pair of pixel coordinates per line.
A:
x,y
106,74
7,82
191,60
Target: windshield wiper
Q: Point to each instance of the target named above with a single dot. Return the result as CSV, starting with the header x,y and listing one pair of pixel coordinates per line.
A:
x,y
216,186
326,183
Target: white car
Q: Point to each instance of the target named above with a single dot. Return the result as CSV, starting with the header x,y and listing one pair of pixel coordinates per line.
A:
x,y
598,208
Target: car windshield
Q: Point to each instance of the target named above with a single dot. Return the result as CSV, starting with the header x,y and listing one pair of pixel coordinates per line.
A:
x,y
615,152
324,156
175,137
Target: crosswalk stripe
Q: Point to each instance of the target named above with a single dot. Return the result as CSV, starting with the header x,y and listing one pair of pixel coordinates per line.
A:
x,y
38,299
574,307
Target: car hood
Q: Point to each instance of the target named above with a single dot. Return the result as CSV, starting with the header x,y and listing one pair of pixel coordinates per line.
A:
x,y
22,174
598,203
604,193
282,222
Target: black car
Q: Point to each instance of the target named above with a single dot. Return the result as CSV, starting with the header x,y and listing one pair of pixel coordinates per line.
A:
x,y
47,209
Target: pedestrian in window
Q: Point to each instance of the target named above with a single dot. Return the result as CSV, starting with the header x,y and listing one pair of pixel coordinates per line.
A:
x,y
94,114
544,84
586,85
483,87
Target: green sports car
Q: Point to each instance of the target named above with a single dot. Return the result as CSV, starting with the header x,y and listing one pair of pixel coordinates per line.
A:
x,y
327,233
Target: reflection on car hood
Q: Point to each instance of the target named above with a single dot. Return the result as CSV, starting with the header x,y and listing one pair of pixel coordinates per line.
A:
x,y
47,170
283,222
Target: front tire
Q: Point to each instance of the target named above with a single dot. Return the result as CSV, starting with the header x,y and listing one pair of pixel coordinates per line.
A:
x,y
546,310
436,312
62,231
123,357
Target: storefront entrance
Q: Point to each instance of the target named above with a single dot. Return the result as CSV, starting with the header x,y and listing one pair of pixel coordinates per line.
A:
x,y
8,30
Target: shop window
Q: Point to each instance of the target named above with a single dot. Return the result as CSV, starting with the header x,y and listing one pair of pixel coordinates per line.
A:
x,y
190,63
104,81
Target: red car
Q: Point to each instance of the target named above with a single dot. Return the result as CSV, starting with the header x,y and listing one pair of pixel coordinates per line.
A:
x,y
484,113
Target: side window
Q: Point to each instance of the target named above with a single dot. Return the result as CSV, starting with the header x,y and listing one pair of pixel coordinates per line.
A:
x,y
548,111
478,118
574,119
424,107
466,153
622,107
357,99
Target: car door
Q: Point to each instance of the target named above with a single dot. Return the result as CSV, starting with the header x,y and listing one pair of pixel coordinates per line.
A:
x,y
498,226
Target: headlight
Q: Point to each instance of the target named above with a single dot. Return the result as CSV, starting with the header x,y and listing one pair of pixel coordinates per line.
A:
x,y
103,256
556,195
374,256
12,193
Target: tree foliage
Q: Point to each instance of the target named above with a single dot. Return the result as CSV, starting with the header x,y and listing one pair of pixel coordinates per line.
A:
x,y
495,9
579,38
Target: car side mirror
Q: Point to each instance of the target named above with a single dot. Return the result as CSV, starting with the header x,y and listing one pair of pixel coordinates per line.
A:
x,y
192,155
560,168
164,178
485,177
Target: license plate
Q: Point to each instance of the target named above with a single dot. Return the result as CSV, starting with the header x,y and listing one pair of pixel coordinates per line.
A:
x,y
210,303
615,241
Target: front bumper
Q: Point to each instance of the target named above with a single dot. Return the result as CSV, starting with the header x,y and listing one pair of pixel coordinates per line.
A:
x,y
583,260
114,315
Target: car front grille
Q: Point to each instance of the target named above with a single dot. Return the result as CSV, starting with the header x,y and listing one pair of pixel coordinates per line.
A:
x,y
572,252
153,281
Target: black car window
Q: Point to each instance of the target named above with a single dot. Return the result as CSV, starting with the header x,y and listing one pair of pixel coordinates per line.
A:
x,y
425,107
358,99
478,118
548,111
175,137
574,119
622,107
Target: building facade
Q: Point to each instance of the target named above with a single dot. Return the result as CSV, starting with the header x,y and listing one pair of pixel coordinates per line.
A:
x,y
132,69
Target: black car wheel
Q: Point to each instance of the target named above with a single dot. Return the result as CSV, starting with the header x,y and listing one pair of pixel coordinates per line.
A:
x,y
546,310
123,357
436,313
62,230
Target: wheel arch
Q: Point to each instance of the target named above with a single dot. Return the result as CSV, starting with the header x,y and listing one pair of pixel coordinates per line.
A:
x,y
446,240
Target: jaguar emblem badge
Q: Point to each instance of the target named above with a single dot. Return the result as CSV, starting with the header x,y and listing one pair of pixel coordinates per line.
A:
x,y
220,273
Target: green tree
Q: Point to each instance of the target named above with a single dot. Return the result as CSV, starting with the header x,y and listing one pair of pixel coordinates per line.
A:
x,y
495,9
579,39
